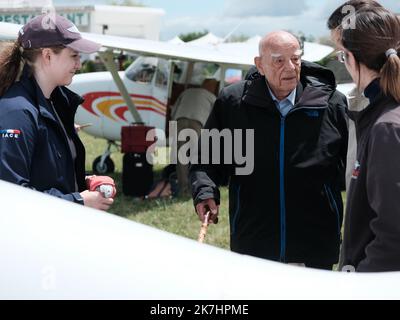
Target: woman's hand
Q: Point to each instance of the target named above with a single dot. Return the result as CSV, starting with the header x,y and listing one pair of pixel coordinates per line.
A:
x,y
95,200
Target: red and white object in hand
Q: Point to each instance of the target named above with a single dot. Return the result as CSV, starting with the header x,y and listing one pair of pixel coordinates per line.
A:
x,y
105,185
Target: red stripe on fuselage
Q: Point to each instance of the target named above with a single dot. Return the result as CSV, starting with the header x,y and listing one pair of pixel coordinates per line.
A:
x,y
91,96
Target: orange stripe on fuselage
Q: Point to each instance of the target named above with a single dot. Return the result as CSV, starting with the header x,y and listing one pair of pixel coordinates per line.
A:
x,y
105,107
150,102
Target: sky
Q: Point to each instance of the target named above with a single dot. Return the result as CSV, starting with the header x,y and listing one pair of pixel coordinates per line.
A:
x,y
243,17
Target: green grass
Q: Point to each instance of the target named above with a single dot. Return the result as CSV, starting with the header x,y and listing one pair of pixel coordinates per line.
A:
x,y
173,215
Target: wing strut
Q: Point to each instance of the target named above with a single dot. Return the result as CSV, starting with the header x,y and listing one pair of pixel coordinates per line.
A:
x,y
171,79
108,59
222,77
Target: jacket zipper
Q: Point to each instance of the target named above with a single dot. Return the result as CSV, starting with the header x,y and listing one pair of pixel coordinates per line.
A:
x,y
333,204
282,180
62,129
282,189
236,214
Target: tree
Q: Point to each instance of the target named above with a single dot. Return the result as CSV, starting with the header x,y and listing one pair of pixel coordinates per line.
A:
x,y
238,38
303,37
326,41
186,37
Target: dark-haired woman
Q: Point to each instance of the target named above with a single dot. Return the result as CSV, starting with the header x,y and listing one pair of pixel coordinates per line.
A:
x,y
39,147
369,46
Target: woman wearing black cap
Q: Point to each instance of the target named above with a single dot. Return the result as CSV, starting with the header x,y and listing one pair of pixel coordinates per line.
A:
x,y
39,147
369,44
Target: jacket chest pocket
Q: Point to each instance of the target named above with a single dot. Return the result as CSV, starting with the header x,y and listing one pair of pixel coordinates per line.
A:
x,y
58,159
305,127
313,140
51,155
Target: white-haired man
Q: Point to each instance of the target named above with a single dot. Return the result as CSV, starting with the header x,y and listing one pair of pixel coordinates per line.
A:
x,y
289,208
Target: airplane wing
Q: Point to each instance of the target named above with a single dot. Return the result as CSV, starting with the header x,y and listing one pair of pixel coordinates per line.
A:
x,y
167,50
312,51
229,55
154,48
54,249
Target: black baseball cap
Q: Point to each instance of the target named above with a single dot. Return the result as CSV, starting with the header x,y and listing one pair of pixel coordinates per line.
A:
x,y
49,30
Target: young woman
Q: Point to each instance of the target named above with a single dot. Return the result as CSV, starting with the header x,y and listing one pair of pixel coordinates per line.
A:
x,y
39,147
370,47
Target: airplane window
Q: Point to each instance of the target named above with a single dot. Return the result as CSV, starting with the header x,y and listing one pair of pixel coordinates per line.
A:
x,y
202,70
162,73
233,75
178,70
142,70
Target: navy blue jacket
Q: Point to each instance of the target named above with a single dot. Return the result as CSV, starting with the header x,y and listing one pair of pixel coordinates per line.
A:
x,y
290,208
34,151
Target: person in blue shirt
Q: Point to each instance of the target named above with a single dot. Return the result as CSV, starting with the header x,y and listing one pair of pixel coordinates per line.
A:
x,y
39,147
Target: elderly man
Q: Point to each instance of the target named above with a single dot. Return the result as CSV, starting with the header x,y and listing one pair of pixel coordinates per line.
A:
x,y
289,208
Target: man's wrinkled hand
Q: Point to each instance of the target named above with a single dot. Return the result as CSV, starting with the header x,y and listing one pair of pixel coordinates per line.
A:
x,y
205,206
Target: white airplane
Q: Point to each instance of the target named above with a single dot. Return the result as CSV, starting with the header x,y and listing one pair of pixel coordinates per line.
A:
x,y
144,92
54,249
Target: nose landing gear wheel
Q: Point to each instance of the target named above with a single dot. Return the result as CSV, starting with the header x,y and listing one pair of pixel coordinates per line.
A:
x,y
107,166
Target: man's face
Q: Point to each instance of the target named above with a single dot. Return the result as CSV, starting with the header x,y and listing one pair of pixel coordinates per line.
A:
x,y
281,65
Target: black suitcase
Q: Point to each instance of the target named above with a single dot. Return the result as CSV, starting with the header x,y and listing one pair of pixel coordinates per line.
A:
x,y
137,175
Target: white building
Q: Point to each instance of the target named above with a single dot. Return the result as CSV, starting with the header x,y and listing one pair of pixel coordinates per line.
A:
x,y
137,22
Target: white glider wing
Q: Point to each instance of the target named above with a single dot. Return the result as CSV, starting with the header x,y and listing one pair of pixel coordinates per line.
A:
x,y
230,55
54,249
154,48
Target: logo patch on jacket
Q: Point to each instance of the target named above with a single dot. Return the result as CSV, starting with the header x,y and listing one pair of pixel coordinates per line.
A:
x,y
356,170
10,134
312,113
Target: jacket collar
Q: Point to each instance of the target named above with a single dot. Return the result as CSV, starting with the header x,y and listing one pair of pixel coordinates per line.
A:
x,y
373,111
373,90
291,97
256,93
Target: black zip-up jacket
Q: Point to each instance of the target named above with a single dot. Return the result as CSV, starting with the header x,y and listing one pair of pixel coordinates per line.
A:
x,y
371,240
39,157
290,208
